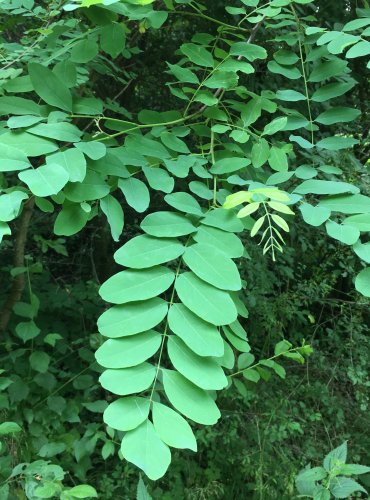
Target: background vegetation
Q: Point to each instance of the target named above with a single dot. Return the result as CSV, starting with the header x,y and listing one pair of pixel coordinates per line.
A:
x,y
49,384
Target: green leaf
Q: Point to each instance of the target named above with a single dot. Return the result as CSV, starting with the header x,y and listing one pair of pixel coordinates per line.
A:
x,y
172,428
240,136
129,319
73,161
315,216
64,132
280,207
344,233
290,72
51,449
87,106
93,149
278,159
240,344
338,115
70,220
144,448
222,80
136,193
286,57
201,337
18,106
47,489
10,205
336,457
260,153
338,45
184,75
27,330
9,428
175,143
356,24
303,143
147,147
257,226
66,72
236,65
336,143
275,126
251,375
4,230
361,49
209,303
248,50
212,266
39,361
290,95
126,414
107,450
46,180
189,400
18,84
314,186
136,284
227,165
130,380
223,219
159,179
28,143
331,90
52,338
362,282
327,69
180,167
204,372
136,349
167,224
12,159
197,54
352,204
48,86
145,251
227,243
23,121
184,202
362,222
84,51
114,213
201,190
251,111
343,487
113,39
296,121
83,491
307,479
354,469
362,251
142,492
248,209
92,188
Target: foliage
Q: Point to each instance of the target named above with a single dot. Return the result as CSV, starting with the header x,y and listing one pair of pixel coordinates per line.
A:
x,y
332,478
252,122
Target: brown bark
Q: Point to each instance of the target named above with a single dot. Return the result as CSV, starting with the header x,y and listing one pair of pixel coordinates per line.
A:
x,y
18,283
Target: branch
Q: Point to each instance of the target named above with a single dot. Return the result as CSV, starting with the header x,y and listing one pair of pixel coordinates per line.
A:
x,y
18,284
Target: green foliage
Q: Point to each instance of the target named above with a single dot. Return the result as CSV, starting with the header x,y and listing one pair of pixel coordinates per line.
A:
x,y
332,478
164,177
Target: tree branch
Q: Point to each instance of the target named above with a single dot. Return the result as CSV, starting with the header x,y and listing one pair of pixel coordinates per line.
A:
x,y
18,284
